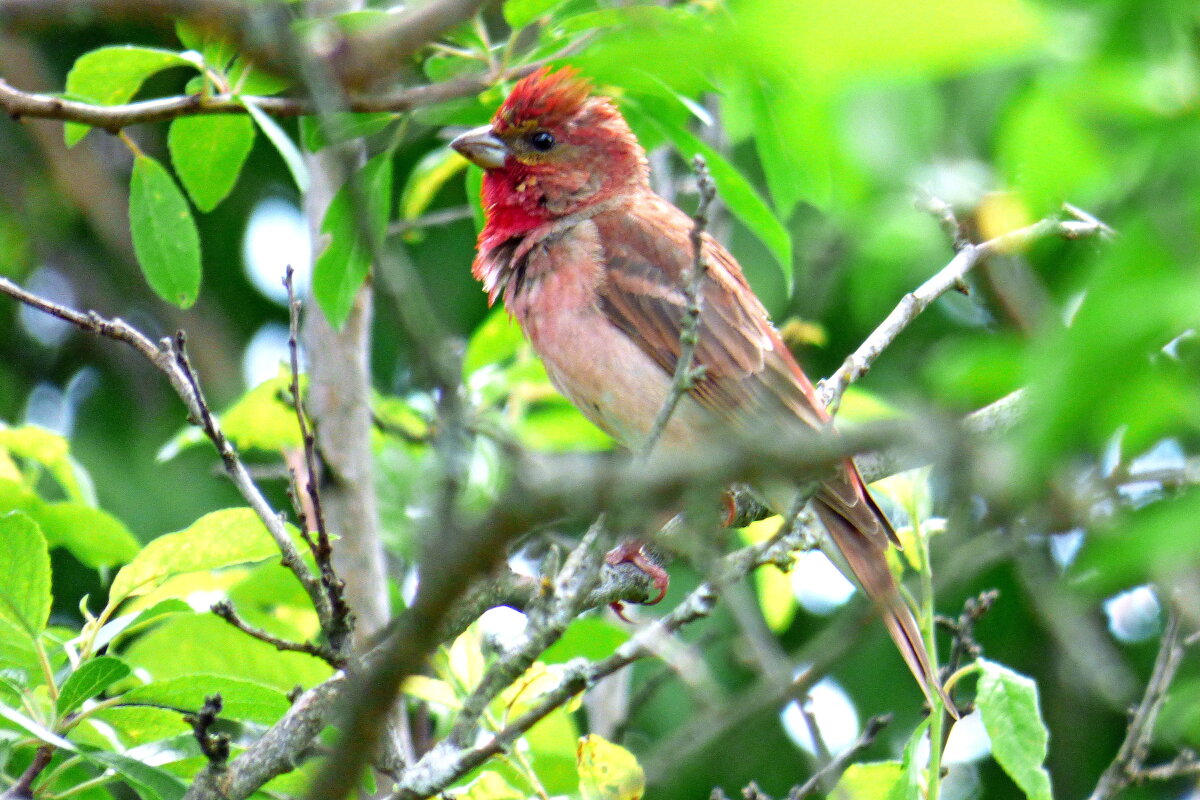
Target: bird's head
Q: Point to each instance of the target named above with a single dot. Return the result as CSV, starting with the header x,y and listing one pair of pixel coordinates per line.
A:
x,y
553,149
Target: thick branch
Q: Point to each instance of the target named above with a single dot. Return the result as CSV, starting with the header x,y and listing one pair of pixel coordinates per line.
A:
x,y
277,752
445,763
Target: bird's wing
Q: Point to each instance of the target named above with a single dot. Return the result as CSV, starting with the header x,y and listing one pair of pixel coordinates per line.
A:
x,y
750,377
749,372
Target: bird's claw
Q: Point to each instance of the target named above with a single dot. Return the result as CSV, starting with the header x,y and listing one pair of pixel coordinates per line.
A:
x,y
633,552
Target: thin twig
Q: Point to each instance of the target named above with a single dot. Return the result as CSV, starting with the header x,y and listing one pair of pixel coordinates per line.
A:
x,y
1128,766
225,610
433,219
173,363
214,746
686,374
827,775
964,646
830,390
342,618
943,212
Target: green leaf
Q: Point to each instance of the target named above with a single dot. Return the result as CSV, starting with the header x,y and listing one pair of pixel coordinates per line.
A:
x,y
35,729
908,784
18,654
735,191
772,585
346,260
139,725
216,540
792,135
474,182
1008,703
95,537
261,419
208,152
317,133
283,144
112,75
823,46
135,621
216,51
496,339
432,690
870,781
558,426
152,783
1048,152
92,678
241,699
427,177
519,13
1143,546
591,637
608,771
25,565
51,452
245,79
164,234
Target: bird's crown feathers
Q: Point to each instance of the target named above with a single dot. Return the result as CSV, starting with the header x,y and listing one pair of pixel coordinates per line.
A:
x,y
544,99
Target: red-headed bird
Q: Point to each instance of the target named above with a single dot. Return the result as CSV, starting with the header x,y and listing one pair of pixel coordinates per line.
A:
x,y
592,264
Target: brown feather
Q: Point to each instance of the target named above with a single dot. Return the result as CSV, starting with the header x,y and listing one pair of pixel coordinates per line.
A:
x,y
592,263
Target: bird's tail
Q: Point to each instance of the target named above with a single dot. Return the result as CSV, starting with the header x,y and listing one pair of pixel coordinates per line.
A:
x,y
861,547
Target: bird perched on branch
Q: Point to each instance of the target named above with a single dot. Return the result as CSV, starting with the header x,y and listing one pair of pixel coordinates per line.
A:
x,y
593,264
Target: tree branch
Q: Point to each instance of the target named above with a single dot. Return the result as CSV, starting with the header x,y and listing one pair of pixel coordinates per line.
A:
x,y
830,390
1129,764
225,610
357,59
18,104
828,774
170,359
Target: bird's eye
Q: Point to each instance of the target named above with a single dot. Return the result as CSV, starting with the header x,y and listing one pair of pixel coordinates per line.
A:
x,y
542,140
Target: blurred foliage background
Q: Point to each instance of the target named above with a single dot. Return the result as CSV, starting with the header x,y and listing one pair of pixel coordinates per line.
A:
x,y
821,124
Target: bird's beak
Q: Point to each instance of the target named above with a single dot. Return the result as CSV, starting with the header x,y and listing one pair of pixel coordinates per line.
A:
x,y
481,147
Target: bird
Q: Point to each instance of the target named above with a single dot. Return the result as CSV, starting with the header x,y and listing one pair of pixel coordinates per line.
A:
x,y
593,264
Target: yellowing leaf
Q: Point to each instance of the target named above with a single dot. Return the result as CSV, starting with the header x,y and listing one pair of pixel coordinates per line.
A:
x,y
775,597
431,690
49,450
1000,213
490,786
608,771
873,781
428,176
910,490
463,661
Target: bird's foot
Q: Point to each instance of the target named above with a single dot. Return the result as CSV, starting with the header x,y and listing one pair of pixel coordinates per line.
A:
x,y
634,552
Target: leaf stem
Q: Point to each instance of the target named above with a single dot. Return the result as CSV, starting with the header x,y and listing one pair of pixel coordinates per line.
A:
x,y
937,714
